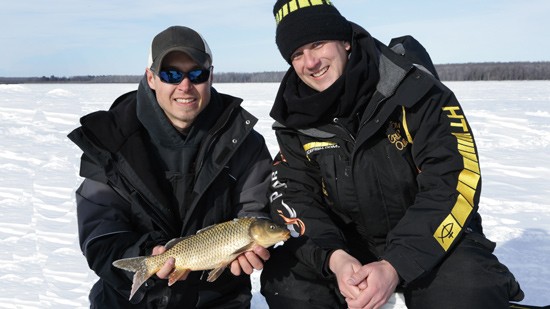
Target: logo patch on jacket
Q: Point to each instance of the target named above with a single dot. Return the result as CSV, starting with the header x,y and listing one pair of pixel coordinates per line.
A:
x,y
318,146
467,182
395,137
290,222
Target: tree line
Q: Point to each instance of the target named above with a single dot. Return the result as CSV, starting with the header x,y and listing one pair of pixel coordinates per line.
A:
x,y
494,71
447,72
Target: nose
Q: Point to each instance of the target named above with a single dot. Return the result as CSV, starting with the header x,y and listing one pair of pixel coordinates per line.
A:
x,y
310,60
185,84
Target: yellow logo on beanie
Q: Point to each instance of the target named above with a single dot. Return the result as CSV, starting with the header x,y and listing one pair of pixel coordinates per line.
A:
x,y
295,5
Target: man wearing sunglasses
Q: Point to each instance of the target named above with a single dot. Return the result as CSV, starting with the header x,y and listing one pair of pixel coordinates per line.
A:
x,y
165,161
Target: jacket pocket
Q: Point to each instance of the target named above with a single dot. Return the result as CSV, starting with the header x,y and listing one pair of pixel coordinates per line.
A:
x,y
473,239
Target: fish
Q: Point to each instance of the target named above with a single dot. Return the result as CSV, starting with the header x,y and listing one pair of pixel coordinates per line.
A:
x,y
214,247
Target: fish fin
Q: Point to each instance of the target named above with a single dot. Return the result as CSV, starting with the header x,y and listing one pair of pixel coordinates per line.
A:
x,y
206,228
243,249
130,264
139,278
216,272
175,275
174,241
138,265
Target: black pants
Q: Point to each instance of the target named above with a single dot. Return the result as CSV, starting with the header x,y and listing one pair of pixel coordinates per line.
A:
x,y
226,292
469,277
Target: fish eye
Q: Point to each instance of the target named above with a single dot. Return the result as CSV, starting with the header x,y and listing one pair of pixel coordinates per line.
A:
x,y
272,226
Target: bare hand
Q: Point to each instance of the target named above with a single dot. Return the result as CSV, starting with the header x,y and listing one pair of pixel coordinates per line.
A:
x,y
169,265
250,260
377,281
344,266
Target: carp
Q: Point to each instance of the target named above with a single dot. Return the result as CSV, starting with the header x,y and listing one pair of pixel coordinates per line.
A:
x,y
214,247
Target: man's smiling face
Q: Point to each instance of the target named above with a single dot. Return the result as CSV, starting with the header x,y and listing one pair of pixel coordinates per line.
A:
x,y
320,64
181,103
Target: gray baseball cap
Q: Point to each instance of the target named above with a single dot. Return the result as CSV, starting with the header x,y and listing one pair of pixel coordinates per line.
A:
x,y
179,38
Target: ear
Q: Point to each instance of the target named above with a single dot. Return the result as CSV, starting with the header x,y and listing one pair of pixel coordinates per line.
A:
x,y
211,75
150,78
347,45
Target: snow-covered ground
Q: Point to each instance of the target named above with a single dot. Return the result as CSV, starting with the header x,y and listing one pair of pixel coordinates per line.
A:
x,y
41,265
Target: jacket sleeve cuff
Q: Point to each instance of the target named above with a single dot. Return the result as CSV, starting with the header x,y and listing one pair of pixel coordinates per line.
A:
x,y
407,269
315,257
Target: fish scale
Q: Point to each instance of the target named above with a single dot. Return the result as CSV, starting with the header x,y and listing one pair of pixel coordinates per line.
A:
x,y
198,253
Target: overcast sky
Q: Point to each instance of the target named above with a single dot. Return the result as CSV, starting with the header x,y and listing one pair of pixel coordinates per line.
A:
x,y
112,37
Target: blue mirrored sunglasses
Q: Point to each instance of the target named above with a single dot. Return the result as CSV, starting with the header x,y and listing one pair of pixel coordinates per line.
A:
x,y
175,77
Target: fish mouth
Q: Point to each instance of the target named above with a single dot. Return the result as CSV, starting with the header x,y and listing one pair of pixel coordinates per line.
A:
x,y
285,236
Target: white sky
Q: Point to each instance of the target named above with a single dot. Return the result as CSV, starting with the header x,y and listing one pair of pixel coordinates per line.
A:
x,y
112,37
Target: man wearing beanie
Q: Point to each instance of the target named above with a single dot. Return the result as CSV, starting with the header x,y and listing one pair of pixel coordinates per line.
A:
x,y
164,162
377,177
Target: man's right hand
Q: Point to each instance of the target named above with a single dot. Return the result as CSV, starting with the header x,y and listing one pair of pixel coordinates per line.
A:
x,y
165,271
363,286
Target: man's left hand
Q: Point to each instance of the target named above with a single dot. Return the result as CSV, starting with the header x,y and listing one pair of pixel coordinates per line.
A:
x,y
250,260
377,282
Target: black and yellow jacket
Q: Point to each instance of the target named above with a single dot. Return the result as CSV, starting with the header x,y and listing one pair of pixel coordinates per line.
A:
x,y
131,200
404,187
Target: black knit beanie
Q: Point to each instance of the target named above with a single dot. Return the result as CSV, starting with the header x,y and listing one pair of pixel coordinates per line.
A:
x,y
300,22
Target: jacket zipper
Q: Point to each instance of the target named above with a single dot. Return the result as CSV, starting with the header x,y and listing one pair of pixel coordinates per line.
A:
x,y
336,121
201,162
362,124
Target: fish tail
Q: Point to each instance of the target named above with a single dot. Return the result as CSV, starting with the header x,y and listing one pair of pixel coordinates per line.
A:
x,y
139,266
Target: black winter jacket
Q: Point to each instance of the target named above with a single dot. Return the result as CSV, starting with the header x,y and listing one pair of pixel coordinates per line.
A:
x,y
403,189
124,210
